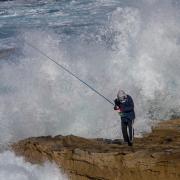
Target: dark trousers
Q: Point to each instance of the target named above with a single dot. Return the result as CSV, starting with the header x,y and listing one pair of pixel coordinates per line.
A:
x,y
127,129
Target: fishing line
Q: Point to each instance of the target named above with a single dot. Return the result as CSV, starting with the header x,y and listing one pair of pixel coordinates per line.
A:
x,y
68,71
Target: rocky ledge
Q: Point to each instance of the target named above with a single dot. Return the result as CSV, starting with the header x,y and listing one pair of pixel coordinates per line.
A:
x,y
153,157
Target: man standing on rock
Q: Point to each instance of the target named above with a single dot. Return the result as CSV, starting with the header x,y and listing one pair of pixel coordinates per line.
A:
x,y
125,106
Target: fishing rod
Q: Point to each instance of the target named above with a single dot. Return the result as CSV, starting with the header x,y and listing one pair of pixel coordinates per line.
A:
x,y
67,70
72,74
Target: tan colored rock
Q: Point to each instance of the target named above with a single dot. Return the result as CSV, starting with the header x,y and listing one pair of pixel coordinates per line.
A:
x,y
154,157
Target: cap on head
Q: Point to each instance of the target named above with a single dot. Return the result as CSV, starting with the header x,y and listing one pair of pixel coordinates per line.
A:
x,y
121,94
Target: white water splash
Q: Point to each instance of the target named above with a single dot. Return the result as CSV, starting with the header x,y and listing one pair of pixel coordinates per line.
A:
x,y
38,99
15,168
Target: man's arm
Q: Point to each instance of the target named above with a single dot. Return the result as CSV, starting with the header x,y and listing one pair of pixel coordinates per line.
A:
x,y
129,106
116,106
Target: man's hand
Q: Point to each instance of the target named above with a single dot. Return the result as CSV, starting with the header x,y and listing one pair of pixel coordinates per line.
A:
x,y
116,108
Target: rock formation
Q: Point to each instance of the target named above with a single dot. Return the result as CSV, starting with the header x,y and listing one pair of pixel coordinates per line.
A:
x,y
153,157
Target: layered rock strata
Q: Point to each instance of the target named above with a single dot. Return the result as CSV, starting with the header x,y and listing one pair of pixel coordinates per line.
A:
x,y
153,157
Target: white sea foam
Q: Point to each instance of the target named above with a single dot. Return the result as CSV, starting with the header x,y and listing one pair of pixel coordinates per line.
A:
x,y
15,168
148,59
37,98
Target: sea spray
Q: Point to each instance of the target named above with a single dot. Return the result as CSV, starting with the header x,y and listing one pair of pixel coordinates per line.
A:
x,y
15,168
134,46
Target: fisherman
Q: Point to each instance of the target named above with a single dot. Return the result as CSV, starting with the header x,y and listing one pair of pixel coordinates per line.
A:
x,y
125,106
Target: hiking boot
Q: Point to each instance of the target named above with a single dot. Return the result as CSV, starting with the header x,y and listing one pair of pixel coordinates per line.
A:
x,y
130,144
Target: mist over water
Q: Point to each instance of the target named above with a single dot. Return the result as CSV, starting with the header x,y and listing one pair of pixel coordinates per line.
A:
x,y
132,45
12,167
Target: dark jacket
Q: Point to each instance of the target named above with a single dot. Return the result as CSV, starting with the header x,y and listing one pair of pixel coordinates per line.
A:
x,y
127,108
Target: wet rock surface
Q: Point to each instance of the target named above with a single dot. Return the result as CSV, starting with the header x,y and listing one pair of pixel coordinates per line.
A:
x,y
153,157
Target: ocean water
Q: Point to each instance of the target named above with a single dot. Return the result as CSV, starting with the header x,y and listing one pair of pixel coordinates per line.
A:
x,y
132,45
